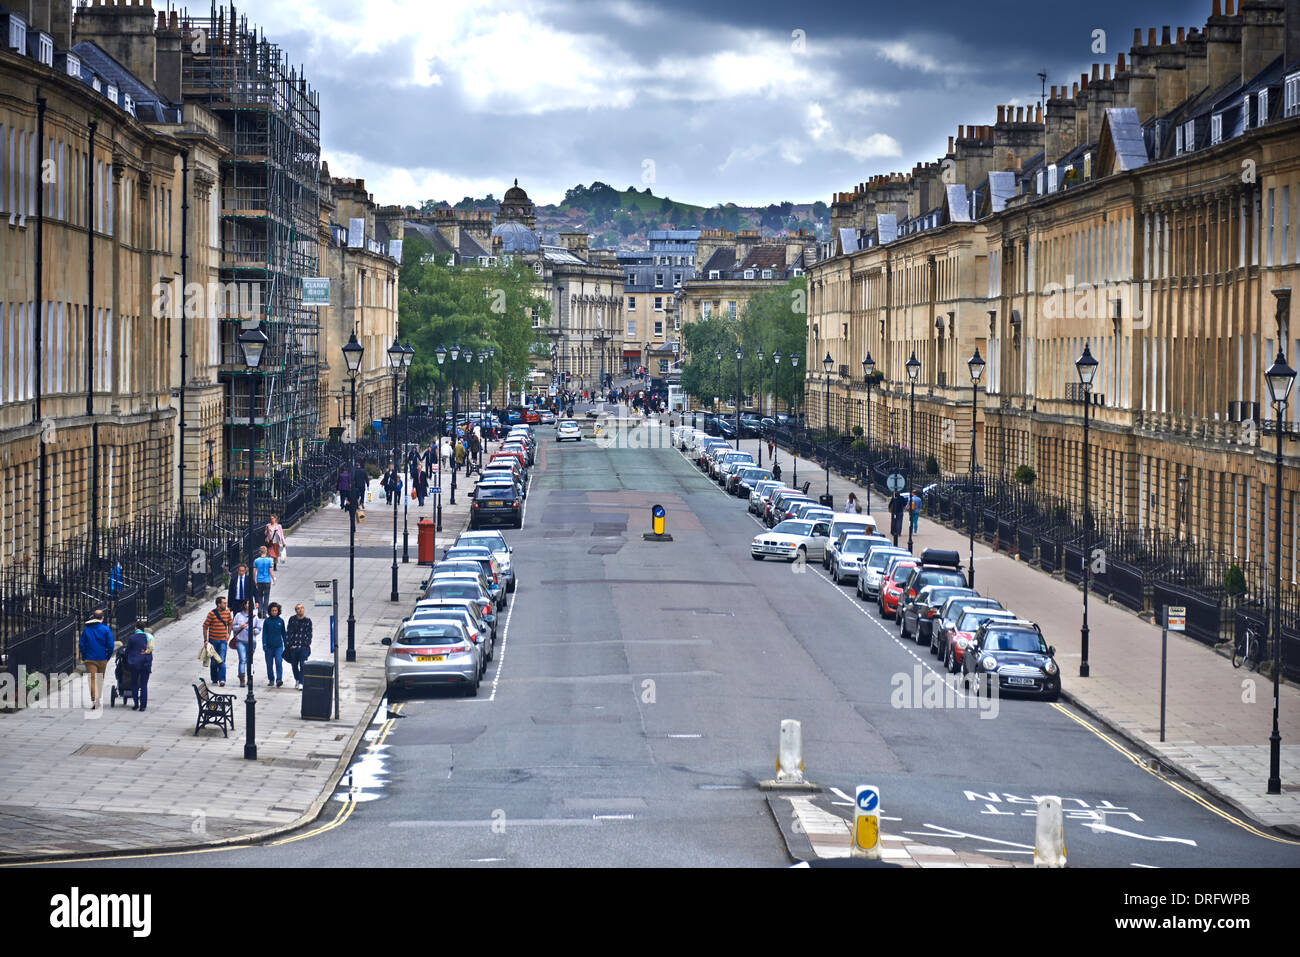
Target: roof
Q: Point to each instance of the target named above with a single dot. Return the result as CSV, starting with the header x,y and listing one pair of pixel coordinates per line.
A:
x,y
764,257
723,260
440,244
958,204
469,246
558,254
673,235
516,238
149,106
848,239
1002,187
1121,136
886,227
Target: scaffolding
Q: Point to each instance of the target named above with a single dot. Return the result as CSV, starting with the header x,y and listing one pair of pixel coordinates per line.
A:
x,y
270,212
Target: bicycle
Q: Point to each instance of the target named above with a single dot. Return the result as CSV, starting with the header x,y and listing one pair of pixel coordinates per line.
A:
x,y
1245,648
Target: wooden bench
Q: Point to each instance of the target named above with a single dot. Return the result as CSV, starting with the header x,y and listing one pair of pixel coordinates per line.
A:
x,y
214,708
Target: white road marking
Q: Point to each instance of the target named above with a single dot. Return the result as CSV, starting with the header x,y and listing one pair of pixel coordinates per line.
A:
x,y
1151,867
1097,827
939,831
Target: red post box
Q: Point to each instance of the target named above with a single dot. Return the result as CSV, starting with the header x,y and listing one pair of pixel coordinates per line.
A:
x,y
425,544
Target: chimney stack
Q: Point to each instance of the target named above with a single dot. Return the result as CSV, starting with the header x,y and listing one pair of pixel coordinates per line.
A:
x,y
1002,114
168,38
126,33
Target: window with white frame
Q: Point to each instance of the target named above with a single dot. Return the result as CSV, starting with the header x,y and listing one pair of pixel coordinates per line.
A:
x,y
1291,95
1189,136
1262,100
677,280
706,309
1216,129
17,33
715,274
659,328
659,280
1178,141
749,274
631,329
659,303
731,309
1245,112
767,274
631,303
677,322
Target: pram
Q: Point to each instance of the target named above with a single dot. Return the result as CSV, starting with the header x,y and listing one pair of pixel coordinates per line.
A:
x,y
123,679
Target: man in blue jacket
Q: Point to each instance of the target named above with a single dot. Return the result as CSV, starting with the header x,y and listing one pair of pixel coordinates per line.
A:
x,y
95,648
139,655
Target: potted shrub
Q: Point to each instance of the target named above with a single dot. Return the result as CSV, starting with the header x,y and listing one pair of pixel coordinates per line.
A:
x,y
1234,581
1025,475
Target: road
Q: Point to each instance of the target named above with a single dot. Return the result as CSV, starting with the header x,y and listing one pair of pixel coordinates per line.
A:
x,y
635,701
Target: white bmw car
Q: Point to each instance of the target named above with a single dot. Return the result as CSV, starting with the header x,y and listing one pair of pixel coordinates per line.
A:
x,y
792,539
568,429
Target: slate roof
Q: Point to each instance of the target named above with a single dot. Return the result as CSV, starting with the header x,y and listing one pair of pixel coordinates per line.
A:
x,y
149,106
1125,138
764,257
723,260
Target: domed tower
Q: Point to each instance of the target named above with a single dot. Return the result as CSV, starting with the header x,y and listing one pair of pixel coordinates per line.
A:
x,y
517,207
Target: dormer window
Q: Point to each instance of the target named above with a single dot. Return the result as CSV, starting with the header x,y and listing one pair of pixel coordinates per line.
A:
x,y
72,64
1291,95
128,104
767,274
1189,136
98,86
1263,107
796,271
17,33
111,92
715,274
45,49
1216,129
1245,112
749,274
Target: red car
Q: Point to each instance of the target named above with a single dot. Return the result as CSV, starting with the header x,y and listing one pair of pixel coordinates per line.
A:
x,y
891,587
531,417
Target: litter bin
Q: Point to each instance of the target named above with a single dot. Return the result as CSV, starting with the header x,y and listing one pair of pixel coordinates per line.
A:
x,y
424,548
318,690
828,500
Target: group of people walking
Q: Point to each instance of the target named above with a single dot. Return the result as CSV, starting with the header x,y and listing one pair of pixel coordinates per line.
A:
x,y
97,645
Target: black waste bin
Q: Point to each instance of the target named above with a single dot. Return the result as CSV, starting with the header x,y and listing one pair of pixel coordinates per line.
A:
x,y
828,500
318,690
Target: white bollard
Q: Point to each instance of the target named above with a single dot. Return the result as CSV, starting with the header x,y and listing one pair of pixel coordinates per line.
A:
x,y
866,823
789,755
1049,834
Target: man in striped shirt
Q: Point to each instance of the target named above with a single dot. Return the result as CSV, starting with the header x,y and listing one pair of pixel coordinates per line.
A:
x,y
216,632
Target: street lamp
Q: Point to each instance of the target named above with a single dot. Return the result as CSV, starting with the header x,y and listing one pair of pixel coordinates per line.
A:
x,y
739,356
253,342
868,374
827,364
396,360
976,366
440,354
776,399
1086,366
352,353
794,481
913,367
759,355
408,354
1280,378
454,352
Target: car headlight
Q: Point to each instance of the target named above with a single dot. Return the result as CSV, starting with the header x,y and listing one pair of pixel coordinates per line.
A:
x,y
1050,667
960,643
989,663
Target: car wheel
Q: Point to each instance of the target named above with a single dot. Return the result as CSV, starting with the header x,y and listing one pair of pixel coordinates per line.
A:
x,y
392,693
757,558
472,691
902,625
802,556
948,663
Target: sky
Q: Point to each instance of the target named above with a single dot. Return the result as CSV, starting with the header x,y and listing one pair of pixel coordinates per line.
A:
x,y
706,102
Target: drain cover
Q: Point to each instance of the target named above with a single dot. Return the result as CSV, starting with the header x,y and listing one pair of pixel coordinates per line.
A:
x,y
119,752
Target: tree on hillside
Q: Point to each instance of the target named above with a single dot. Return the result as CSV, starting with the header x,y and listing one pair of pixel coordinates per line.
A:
x,y
820,210
624,223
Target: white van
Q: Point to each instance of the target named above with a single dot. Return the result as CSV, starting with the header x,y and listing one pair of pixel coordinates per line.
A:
x,y
843,520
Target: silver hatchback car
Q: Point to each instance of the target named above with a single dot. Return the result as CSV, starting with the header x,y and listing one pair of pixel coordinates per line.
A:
x,y
430,653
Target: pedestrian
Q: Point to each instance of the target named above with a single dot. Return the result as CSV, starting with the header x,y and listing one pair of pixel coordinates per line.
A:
x,y
420,486
360,482
776,471
264,573
475,449
896,508
344,486
247,629
390,484
851,506
274,540
914,509
241,587
273,634
216,633
139,657
460,454
94,649
297,642
771,449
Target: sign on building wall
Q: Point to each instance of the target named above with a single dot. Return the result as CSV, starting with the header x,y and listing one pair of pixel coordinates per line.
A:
x,y
356,233
316,291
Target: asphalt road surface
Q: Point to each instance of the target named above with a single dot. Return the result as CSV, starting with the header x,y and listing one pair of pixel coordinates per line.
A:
x,y
636,699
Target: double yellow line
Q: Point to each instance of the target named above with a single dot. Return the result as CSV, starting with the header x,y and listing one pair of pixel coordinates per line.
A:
x,y
344,812
1184,791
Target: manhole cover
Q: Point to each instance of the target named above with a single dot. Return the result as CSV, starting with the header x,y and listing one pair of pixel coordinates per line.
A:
x,y
117,751
605,548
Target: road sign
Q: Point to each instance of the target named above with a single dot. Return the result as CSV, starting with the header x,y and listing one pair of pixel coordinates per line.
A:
x,y
1177,620
895,482
868,799
866,822
324,594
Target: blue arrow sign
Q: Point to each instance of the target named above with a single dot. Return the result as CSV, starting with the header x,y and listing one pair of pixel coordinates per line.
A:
x,y
868,800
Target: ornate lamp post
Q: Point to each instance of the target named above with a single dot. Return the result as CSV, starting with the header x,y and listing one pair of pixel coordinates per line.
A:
x,y
976,366
758,354
454,352
913,367
1280,378
776,399
794,481
352,353
868,374
408,354
253,342
440,354
827,364
739,356
396,361
1086,366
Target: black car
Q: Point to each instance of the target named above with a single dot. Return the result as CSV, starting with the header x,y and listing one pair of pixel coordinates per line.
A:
x,y
726,428
918,614
751,426
496,505
938,567
1014,652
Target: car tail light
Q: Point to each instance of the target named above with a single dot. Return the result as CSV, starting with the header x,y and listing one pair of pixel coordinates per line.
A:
x,y
930,613
474,505
487,610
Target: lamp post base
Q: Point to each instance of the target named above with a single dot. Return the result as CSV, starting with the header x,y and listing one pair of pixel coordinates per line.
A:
x,y
250,721
393,594
1274,762
351,653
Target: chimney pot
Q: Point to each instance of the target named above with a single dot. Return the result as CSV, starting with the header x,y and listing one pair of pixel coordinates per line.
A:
x,y
1002,114
950,145
1151,36
1216,9
1096,72
1182,34
1137,36
1074,93
1083,81
1105,71
1164,36
961,132
1038,114
1020,114
1227,8
1119,65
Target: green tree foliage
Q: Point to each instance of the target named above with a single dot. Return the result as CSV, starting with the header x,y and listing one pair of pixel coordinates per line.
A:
x,y
820,210
477,307
624,223
703,376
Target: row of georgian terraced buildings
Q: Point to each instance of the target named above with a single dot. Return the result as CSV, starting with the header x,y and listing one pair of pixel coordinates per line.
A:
x,y
1151,213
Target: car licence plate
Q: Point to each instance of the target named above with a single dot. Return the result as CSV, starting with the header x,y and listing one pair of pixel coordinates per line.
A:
x,y
496,503
1019,681
430,657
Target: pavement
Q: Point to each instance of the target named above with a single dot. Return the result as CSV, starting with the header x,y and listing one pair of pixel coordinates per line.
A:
x,y
1218,719
77,781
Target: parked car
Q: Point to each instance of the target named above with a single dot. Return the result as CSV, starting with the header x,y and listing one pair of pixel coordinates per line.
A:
x,y
959,638
568,429
918,613
500,548
430,653
873,570
938,567
744,480
793,539
497,504
945,620
467,568
850,552
477,629
1016,653
863,523
891,585
760,489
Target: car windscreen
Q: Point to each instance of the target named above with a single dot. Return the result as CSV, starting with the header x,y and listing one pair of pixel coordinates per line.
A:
x,y
473,568
1015,640
492,540
423,632
455,590
880,557
841,525
854,546
971,620
495,492
794,527
939,576
476,553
